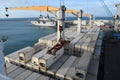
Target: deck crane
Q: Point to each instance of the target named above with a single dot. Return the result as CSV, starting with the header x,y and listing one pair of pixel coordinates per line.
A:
x,y
58,12
116,17
61,42
49,9
79,14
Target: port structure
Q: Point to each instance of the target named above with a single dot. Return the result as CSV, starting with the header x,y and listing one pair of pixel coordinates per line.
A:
x,y
79,14
116,17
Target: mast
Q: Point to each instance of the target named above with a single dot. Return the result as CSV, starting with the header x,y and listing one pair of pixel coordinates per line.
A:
x,y
2,61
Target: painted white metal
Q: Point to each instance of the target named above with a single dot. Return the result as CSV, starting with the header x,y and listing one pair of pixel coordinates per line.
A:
x,y
61,18
79,21
62,71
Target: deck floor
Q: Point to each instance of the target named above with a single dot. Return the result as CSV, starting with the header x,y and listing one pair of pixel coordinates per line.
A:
x,y
112,59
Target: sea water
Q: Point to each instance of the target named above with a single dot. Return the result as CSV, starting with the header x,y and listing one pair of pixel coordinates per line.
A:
x,y
21,33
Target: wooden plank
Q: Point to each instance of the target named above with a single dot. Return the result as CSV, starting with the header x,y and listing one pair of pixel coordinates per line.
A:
x,y
83,65
16,72
93,69
11,68
33,76
8,65
62,71
71,72
23,75
84,46
53,69
42,77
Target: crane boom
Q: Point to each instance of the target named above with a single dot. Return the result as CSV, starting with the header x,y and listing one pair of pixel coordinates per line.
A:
x,y
75,12
45,9
36,8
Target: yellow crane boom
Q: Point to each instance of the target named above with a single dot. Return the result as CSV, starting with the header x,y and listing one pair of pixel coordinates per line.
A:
x,y
46,9
36,8
75,12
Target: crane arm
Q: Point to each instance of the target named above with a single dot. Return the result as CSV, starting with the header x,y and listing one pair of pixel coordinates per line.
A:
x,y
75,12
36,8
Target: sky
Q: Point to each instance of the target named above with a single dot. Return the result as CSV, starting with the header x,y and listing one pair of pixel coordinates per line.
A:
x,y
88,6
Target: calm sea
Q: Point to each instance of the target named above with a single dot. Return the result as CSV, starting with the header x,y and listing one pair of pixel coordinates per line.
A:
x,y
21,33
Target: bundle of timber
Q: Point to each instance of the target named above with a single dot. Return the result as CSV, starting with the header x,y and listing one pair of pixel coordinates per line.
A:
x,y
47,60
35,59
65,67
26,55
38,47
82,66
55,67
13,57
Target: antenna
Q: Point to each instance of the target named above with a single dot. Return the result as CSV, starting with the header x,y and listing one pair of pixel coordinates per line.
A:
x,y
63,2
60,2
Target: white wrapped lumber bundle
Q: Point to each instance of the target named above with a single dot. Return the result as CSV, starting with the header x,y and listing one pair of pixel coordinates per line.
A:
x,y
38,47
47,60
71,72
91,46
54,68
81,68
35,58
28,65
11,57
26,55
84,46
78,45
65,67
44,39
72,44
50,41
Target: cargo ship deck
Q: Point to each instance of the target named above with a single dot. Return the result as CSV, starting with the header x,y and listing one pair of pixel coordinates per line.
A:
x,y
79,61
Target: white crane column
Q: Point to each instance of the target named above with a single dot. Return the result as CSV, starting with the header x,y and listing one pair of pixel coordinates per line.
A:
x,y
116,17
61,24
91,23
79,21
